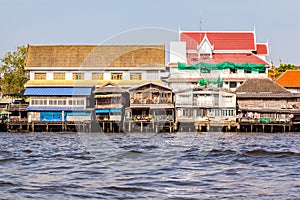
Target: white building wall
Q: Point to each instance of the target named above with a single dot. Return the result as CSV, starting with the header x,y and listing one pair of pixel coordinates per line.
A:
x,y
31,75
88,75
49,75
205,48
145,74
69,75
177,52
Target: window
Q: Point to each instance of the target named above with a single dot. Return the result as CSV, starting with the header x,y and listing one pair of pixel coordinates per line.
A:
x,y
188,112
135,76
39,76
232,84
39,102
116,76
204,70
227,113
247,71
214,113
79,102
61,102
52,102
233,71
78,76
97,76
59,76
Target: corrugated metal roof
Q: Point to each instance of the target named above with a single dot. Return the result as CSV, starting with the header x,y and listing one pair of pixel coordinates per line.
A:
x,y
57,91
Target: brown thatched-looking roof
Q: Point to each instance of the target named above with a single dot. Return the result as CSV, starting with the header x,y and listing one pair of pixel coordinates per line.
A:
x,y
261,88
105,56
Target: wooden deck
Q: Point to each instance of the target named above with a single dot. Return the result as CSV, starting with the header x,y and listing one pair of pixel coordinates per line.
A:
x,y
24,126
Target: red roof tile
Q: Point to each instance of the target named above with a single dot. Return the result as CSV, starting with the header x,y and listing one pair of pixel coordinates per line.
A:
x,y
221,40
262,49
289,78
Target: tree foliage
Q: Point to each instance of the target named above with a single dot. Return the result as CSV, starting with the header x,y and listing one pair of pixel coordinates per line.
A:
x,y
283,67
13,74
275,72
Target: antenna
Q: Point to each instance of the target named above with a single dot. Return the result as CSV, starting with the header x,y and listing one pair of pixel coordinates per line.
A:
x,y
200,23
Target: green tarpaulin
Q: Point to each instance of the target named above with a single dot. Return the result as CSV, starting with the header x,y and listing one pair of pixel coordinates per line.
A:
x,y
224,65
204,82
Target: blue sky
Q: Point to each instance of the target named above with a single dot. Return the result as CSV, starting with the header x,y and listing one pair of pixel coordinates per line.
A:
x,y
25,22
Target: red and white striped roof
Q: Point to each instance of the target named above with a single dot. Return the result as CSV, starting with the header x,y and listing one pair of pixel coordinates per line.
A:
x,y
192,58
243,40
262,49
227,46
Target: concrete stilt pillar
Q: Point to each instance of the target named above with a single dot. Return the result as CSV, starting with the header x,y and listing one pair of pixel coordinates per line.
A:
x,y
129,127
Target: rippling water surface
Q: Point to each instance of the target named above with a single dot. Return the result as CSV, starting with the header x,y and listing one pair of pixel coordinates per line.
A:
x,y
149,166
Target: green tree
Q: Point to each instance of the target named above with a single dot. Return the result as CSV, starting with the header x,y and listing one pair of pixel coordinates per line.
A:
x,y
13,74
283,67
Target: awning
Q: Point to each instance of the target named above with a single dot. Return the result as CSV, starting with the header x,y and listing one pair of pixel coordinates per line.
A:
x,y
54,108
58,91
108,111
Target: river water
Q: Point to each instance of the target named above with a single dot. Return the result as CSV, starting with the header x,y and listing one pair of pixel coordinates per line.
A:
x,y
149,166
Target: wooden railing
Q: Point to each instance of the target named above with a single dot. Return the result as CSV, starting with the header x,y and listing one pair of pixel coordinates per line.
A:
x,y
17,107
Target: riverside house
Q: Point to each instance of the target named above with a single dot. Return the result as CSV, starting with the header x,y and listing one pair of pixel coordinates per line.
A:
x,y
264,101
210,107
110,104
62,77
151,108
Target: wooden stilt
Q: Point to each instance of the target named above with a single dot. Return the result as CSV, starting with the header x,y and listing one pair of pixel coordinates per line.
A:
x,y
272,128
